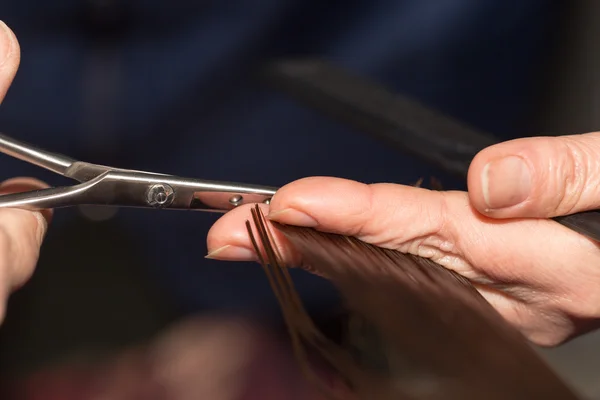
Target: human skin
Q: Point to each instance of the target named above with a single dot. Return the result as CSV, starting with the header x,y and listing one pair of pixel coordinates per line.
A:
x,y
21,232
541,276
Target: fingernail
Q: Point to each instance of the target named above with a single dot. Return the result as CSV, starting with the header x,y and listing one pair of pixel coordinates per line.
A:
x,y
232,253
6,43
291,216
505,182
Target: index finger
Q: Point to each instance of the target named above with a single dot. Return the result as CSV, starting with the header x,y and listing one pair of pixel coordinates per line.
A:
x,y
441,226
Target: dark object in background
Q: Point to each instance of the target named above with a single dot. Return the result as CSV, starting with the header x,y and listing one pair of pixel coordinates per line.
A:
x,y
398,120
420,330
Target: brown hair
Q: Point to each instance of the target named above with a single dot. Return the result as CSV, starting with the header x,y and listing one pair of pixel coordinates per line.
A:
x,y
418,330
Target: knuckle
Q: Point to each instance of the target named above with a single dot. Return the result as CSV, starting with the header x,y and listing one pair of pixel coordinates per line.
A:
x,y
366,221
438,220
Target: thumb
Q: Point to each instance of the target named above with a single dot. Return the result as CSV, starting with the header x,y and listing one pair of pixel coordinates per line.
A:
x,y
9,58
539,177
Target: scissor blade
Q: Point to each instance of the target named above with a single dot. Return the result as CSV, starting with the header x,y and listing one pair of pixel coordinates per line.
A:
x,y
138,189
26,152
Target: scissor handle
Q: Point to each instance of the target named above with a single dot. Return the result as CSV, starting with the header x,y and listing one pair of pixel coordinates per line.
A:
x,y
24,151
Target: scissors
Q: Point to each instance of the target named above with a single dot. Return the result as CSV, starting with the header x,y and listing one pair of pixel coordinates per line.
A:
x,y
108,186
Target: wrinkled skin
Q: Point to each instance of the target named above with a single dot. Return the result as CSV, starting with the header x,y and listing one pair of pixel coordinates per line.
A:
x,y
542,277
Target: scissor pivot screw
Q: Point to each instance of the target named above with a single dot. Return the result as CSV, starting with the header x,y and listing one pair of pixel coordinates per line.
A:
x,y
236,200
160,195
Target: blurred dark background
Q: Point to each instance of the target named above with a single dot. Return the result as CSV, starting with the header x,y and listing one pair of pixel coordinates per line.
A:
x,y
173,89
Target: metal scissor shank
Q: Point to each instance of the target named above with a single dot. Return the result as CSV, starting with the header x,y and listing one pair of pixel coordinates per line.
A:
x,y
108,186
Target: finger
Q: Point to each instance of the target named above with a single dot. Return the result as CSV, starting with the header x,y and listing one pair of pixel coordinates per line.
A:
x,y
21,235
437,225
9,58
517,265
228,238
24,184
537,177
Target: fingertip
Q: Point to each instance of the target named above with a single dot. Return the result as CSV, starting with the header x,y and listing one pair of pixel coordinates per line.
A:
x,y
232,253
537,177
315,201
290,216
289,201
24,184
228,240
9,45
348,207
287,194
501,179
10,56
